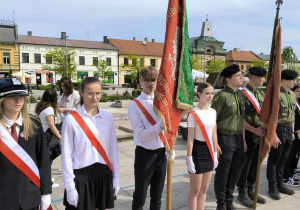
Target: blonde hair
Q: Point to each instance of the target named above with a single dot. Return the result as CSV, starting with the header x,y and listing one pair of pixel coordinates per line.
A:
x,y
29,126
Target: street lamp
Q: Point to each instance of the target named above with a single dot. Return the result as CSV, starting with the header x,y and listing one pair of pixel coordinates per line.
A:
x,y
204,59
66,56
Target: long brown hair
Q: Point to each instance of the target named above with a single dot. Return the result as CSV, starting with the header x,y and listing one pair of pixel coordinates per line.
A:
x,y
29,126
49,99
67,82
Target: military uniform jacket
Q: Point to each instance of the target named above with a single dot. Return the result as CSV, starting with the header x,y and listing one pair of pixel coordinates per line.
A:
x,y
286,115
230,115
16,190
251,116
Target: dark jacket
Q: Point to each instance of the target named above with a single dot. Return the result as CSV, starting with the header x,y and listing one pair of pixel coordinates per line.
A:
x,y
16,190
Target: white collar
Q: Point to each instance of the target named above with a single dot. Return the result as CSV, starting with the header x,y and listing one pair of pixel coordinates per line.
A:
x,y
9,123
82,111
144,95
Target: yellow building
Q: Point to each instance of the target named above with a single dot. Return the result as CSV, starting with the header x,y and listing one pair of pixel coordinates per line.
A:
x,y
9,49
149,53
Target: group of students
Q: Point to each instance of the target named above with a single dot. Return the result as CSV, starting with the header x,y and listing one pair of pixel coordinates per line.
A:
x,y
224,137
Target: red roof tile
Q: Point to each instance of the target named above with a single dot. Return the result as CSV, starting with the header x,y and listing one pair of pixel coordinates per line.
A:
x,y
232,55
138,47
37,40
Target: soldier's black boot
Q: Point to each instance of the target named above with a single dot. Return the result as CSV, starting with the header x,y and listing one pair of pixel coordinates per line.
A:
x,y
260,199
221,206
230,206
244,198
274,192
285,190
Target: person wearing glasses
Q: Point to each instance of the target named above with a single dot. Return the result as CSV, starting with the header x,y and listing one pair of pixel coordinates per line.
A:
x,y
284,136
150,159
89,157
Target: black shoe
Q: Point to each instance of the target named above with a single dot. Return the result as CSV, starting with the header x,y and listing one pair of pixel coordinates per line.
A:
x,y
260,199
244,198
230,206
274,194
285,190
221,206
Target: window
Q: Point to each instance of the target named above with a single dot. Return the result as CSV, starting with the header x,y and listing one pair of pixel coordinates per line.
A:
x,y
6,58
25,57
125,61
37,58
242,67
81,60
108,60
48,59
142,62
153,62
95,60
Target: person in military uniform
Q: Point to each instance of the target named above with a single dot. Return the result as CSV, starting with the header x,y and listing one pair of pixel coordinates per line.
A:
x,y
253,100
229,106
284,136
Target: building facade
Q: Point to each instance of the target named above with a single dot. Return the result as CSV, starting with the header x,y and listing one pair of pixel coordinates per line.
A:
x,y
150,53
33,50
9,49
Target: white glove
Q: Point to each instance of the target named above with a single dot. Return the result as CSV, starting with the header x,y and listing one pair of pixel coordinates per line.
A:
x,y
190,164
168,156
116,189
72,197
45,201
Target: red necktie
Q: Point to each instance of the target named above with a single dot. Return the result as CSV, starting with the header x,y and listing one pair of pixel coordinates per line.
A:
x,y
13,132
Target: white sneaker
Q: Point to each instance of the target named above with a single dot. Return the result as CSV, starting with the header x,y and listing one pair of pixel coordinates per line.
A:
x,y
290,182
55,185
53,179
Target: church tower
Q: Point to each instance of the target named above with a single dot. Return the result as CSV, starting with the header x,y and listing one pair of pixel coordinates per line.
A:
x,y
206,29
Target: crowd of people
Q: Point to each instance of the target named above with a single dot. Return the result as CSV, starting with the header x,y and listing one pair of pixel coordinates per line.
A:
x,y
224,137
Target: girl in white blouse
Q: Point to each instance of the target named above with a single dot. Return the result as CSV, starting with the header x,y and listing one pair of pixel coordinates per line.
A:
x,y
199,160
90,180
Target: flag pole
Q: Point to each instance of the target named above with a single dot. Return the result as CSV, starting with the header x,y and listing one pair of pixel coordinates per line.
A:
x,y
271,65
169,185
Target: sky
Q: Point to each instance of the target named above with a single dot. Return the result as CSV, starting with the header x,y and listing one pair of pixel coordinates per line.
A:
x,y
244,24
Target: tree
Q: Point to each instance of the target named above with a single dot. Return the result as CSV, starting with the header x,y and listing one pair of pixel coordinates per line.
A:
x,y
261,63
216,66
135,64
196,63
103,67
288,57
57,62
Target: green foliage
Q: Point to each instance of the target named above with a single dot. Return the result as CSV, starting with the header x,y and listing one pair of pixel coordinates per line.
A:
x,y
32,99
103,67
44,87
196,63
104,98
135,64
105,88
58,65
76,85
136,93
115,97
288,57
261,63
212,77
215,66
126,95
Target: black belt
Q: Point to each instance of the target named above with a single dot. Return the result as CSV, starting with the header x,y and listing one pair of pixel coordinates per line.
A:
x,y
285,124
230,132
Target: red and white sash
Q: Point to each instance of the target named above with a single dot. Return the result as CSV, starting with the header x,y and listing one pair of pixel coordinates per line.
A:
x,y
18,156
91,136
150,119
251,98
207,135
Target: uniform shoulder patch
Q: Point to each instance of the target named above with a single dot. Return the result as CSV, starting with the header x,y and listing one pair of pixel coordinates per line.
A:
x,y
216,98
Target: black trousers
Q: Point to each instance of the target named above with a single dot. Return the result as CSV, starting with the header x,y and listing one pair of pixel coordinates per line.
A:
x,y
278,157
35,208
292,160
149,169
230,165
248,174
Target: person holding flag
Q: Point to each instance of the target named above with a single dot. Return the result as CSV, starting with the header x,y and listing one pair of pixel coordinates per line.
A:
x,y
202,146
284,136
229,106
150,155
24,160
253,100
89,153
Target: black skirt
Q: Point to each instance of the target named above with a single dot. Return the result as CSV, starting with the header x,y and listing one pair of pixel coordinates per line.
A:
x,y
201,157
95,188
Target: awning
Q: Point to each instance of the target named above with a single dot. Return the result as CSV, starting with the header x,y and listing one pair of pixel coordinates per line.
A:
x,y
82,73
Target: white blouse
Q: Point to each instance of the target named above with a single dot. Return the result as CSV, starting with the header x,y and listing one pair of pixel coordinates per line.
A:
x,y
208,117
43,117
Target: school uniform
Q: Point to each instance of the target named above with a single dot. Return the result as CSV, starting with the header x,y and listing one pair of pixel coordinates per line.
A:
x,y
17,191
84,169
150,159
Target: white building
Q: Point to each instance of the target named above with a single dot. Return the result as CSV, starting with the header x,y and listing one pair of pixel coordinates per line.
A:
x,y
34,48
